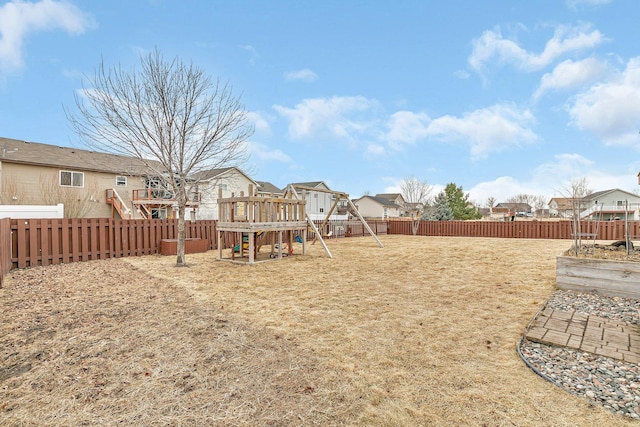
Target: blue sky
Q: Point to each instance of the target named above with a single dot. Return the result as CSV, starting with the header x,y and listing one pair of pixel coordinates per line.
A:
x,y
500,97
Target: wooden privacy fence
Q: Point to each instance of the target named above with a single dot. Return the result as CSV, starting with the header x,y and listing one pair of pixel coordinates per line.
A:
x,y
606,230
35,242
5,247
335,228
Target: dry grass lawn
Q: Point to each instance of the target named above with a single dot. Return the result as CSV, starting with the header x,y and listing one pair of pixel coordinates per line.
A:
x,y
421,332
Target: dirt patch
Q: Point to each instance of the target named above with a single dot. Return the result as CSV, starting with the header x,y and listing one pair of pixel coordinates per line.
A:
x,y
421,332
614,251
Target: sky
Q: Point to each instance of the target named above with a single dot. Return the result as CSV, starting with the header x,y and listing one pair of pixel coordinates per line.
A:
x,y
500,97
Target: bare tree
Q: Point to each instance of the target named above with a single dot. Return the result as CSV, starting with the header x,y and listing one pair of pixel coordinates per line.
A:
x,y
78,202
417,195
491,202
576,191
522,199
171,116
539,202
12,192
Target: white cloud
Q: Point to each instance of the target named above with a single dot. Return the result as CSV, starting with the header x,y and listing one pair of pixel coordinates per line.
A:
x,y
353,119
563,169
492,47
260,123
611,110
305,75
552,179
264,153
555,176
548,179
19,19
571,74
335,117
407,127
501,188
486,130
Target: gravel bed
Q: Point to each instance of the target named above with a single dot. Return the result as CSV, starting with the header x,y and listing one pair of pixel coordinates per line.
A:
x,y
604,381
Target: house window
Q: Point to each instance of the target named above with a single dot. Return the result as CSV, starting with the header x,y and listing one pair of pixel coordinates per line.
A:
x,y
321,210
223,187
71,179
620,202
121,181
158,213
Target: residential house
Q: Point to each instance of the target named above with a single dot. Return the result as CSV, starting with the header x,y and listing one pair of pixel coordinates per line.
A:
x,y
230,181
611,204
377,207
562,207
320,199
87,183
496,213
398,200
605,205
267,189
515,209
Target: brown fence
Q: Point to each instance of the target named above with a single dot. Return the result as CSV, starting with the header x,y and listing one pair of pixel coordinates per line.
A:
x,y
606,230
5,247
333,229
37,242
34,242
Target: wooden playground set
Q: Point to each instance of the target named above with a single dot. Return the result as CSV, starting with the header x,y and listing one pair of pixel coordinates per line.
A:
x,y
250,223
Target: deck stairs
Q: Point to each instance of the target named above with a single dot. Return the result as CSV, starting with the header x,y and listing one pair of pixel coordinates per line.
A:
x,y
123,205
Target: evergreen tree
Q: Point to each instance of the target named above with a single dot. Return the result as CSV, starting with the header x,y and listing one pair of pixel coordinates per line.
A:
x,y
440,210
459,204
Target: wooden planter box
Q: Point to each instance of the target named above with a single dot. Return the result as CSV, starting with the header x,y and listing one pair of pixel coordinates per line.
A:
x,y
191,246
610,278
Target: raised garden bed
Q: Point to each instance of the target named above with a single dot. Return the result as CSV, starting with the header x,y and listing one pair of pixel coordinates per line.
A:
x,y
602,274
191,246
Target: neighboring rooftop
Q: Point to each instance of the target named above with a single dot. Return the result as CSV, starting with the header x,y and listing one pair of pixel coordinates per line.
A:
x,y
34,153
382,201
267,187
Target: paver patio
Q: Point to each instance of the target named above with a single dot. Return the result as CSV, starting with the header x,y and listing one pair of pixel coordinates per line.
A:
x,y
583,332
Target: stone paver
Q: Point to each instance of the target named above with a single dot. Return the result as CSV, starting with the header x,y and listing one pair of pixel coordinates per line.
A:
x,y
587,333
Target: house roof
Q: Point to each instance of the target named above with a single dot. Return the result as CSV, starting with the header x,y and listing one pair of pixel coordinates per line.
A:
x,y
37,154
312,184
390,196
207,175
267,187
520,207
380,200
562,202
599,194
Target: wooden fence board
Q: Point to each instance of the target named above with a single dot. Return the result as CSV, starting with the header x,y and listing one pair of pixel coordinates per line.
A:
x,y
55,242
6,247
45,233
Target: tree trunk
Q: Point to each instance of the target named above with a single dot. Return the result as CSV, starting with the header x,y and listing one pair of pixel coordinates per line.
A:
x,y
415,223
182,234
